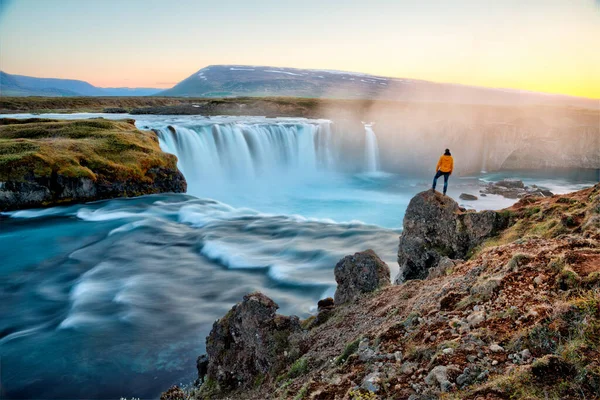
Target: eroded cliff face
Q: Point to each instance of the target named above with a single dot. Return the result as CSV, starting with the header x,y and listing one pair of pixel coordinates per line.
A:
x,y
485,138
519,319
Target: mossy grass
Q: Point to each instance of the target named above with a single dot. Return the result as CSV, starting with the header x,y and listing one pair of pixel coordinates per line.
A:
x,y
94,149
350,349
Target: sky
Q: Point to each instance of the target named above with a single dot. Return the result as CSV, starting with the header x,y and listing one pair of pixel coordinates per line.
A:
x,y
540,45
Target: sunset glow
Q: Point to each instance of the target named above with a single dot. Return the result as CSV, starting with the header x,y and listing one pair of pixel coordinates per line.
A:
x,y
540,45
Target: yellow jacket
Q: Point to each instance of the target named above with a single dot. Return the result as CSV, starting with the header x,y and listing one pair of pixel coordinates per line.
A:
x,y
445,164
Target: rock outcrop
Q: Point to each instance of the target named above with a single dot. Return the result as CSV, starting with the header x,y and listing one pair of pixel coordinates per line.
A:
x,y
359,273
249,341
514,189
435,227
47,162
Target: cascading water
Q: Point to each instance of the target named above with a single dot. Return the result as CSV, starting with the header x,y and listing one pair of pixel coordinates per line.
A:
x,y
371,150
241,151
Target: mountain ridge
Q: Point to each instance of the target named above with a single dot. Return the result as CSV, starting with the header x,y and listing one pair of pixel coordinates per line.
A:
x,y
234,80
22,85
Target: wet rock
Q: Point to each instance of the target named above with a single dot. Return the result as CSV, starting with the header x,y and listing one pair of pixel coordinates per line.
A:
x,y
360,273
434,227
511,183
466,196
515,189
250,340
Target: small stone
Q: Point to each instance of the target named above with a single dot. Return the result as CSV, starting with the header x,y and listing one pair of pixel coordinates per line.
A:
x,y
462,379
482,376
371,382
398,356
495,362
448,351
526,354
496,348
471,358
476,318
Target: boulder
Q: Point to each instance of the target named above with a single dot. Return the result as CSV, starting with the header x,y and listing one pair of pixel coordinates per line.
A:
x,y
250,340
511,183
435,227
359,273
467,196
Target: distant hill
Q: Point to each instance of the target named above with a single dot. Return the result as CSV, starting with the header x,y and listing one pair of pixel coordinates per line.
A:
x,y
19,85
242,80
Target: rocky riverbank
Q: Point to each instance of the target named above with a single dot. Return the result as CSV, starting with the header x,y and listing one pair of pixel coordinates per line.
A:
x,y
48,162
504,305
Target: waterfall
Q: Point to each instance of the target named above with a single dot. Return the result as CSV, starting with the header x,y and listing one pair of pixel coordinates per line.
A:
x,y
215,152
371,150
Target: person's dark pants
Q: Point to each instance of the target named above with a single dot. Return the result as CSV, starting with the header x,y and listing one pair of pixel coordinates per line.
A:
x,y
446,176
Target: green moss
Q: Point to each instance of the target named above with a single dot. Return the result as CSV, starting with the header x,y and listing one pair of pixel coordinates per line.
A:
x,y
298,368
302,393
93,149
350,349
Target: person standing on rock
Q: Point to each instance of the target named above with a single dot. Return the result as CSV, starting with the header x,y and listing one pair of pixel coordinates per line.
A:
x,y
444,167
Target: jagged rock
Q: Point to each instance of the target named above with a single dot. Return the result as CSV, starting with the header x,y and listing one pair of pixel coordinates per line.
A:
x,y
439,375
514,189
371,382
360,273
325,304
174,393
435,227
250,340
467,196
202,367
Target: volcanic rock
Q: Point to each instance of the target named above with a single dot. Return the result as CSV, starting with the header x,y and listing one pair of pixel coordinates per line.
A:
x,y
435,227
250,340
360,273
